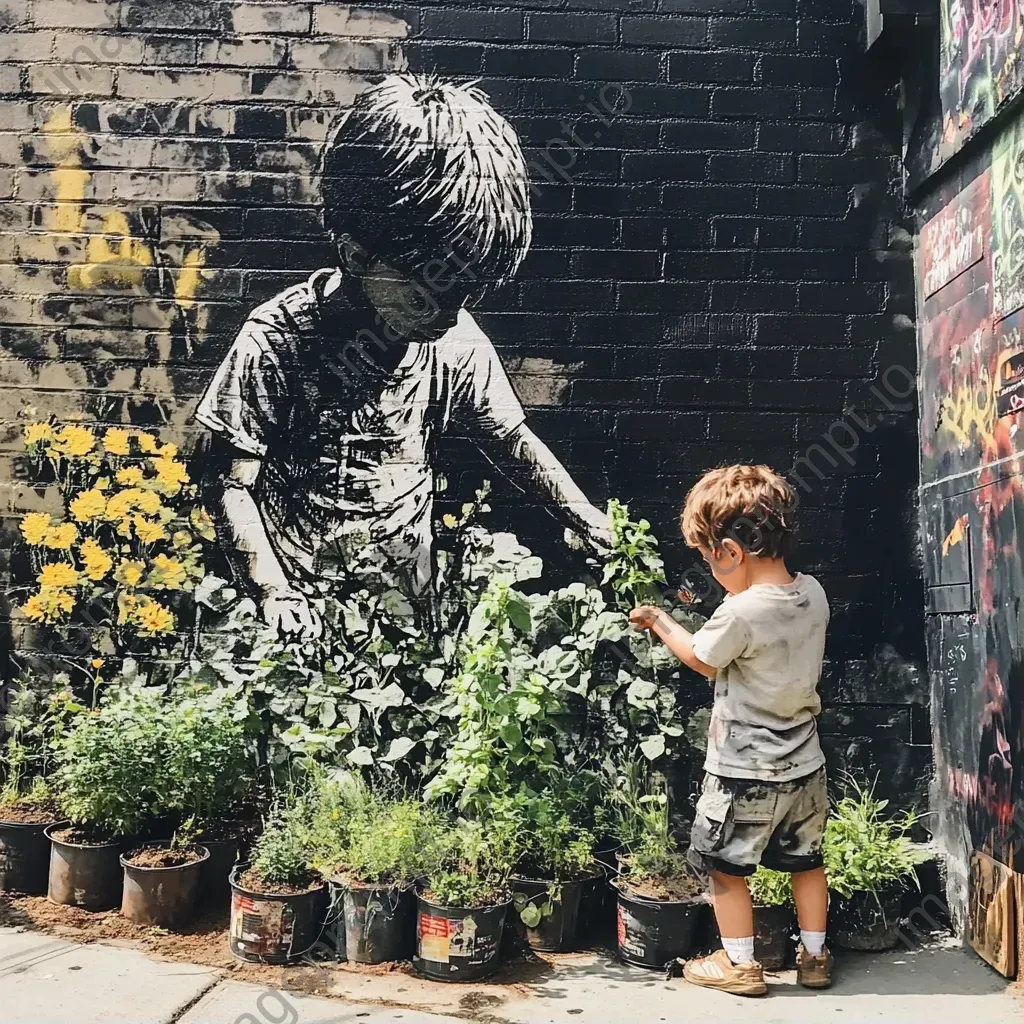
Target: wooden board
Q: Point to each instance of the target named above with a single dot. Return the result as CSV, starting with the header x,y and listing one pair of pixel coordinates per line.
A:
x,y
1019,879
992,914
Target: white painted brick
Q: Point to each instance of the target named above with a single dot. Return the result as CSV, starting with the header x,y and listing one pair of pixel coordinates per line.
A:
x,y
184,85
70,80
75,13
26,46
10,80
343,20
246,53
273,18
341,55
94,48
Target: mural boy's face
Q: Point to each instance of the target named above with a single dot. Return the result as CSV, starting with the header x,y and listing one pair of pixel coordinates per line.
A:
x,y
409,307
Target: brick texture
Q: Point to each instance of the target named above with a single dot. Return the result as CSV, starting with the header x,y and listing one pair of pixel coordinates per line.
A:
x,y
712,276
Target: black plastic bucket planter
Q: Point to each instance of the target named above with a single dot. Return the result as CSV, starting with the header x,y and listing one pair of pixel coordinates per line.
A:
x,y
24,857
458,943
652,932
773,930
379,923
87,876
866,920
214,888
161,896
558,904
274,928
596,914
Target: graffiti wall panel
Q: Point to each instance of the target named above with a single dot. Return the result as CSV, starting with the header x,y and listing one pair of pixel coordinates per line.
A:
x,y
972,378
979,64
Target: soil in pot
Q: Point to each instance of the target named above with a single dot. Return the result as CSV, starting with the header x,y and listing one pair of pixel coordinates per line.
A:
x,y
274,924
161,884
652,932
378,922
866,920
24,849
557,903
773,930
458,943
85,868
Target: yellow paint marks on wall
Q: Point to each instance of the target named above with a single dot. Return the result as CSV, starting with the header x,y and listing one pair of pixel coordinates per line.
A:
x,y
114,258
190,278
955,536
70,181
969,413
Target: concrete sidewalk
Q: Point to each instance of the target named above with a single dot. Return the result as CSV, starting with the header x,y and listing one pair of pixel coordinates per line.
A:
x,y
44,980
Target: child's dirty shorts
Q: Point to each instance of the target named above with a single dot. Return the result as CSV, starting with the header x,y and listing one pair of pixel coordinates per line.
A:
x,y
741,823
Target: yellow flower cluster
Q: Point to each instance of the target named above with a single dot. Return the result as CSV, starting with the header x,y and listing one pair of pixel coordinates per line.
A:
x,y
34,527
60,538
97,562
89,505
148,616
50,605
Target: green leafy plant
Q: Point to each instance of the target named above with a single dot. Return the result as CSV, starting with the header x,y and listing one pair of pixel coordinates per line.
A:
x,y
771,888
635,812
110,771
282,853
37,717
211,758
864,851
635,570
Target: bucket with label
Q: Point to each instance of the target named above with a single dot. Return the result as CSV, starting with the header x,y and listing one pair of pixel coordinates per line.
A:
x,y
275,928
653,932
458,943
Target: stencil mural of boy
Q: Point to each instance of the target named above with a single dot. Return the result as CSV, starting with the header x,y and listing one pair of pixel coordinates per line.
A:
x,y
328,405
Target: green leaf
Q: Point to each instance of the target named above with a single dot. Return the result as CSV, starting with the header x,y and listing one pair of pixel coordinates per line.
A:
x,y
511,734
527,708
653,747
399,748
361,756
518,610
530,915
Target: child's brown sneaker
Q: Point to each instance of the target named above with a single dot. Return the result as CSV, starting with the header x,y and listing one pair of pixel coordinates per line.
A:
x,y
719,972
813,971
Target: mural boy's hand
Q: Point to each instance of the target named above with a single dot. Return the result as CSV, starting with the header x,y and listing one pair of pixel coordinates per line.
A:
x,y
290,613
595,529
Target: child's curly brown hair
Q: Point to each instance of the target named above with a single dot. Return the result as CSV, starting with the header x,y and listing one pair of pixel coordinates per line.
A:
x,y
752,505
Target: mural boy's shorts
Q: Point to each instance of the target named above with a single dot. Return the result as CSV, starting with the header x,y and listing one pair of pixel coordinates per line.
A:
x,y
741,823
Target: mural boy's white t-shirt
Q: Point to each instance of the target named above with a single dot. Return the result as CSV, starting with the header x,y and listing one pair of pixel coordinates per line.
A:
x,y
340,454
767,643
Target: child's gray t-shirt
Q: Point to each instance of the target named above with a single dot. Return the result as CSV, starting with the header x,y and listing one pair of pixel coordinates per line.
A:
x,y
767,644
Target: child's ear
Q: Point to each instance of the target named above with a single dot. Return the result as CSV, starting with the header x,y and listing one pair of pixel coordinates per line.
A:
x,y
354,258
734,550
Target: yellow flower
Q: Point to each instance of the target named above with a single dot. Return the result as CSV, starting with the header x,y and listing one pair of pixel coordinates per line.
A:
x,y
97,562
152,617
51,604
147,531
37,433
89,505
167,572
171,474
148,443
119,505
181,539
169,451
59,574
115,441
60,538
97,663
202,523
148,502
34,527
75,441
130,476
450,521
129,572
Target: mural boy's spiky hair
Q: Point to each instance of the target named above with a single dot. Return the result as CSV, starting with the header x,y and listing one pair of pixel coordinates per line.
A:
x,y
420,168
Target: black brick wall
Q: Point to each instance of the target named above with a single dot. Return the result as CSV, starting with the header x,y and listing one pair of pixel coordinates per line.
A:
x,y
717,274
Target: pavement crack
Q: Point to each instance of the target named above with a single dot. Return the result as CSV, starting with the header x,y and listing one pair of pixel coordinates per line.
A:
x,y
185,1007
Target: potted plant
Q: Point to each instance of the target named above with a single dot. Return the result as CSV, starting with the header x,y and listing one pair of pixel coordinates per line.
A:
x,y
465,897
27,804
869,860
108,781
556,865
771,893
278,901
211,767
161,880
658,898
388,849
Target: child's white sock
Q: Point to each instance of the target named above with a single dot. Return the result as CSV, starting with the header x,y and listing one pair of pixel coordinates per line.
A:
x,y
814,942
741,951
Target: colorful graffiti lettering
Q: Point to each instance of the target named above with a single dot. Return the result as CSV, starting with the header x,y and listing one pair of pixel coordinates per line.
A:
x,y
950,243
979,62
1008,223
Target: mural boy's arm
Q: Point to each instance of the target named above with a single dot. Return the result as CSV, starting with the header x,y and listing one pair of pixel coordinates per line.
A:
x,y
543,473
284,607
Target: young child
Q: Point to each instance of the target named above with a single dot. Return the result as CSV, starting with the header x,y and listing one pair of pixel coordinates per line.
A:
x,y
764,799
328,407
